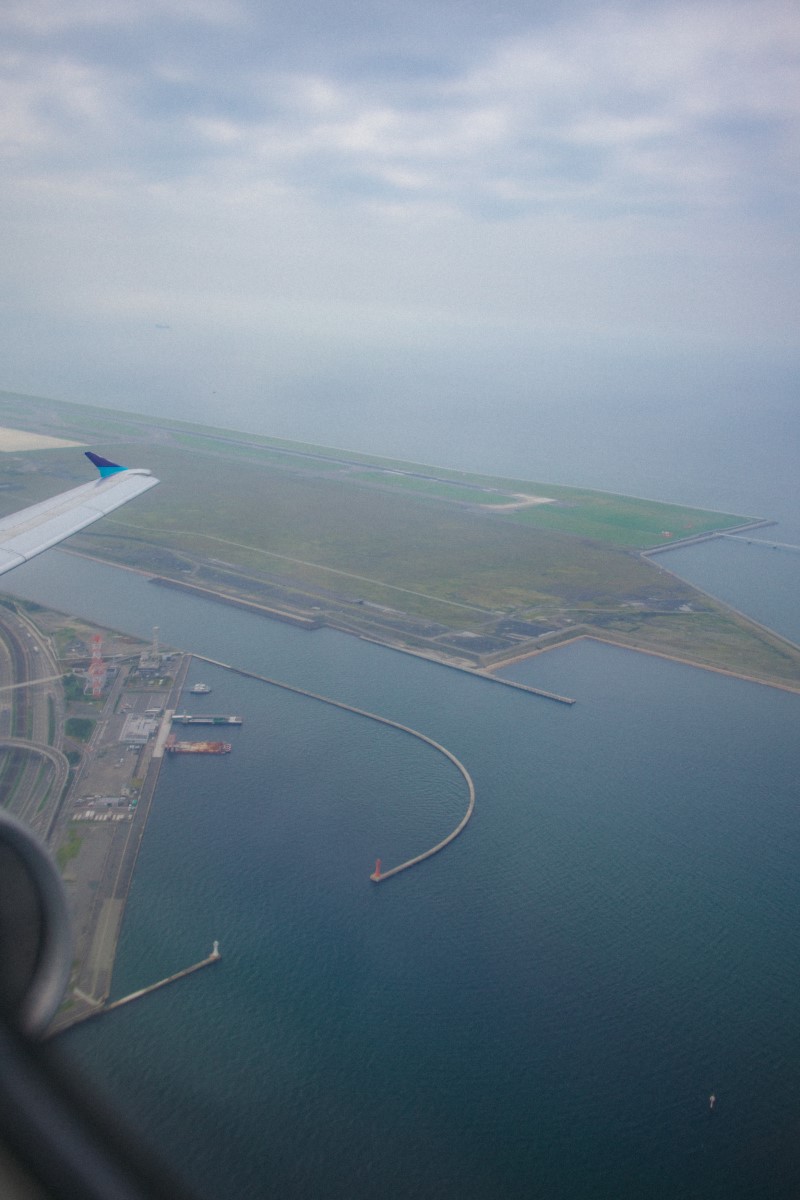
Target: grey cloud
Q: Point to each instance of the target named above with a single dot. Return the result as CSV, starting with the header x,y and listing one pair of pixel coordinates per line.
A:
x,y
344,183
611,109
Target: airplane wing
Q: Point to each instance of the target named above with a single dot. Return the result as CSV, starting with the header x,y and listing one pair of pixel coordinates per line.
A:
x,y
32,530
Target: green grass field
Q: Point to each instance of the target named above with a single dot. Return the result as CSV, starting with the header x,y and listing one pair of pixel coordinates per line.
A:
x,y
623,521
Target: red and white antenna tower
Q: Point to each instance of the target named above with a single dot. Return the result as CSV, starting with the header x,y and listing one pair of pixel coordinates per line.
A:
x,y
97,668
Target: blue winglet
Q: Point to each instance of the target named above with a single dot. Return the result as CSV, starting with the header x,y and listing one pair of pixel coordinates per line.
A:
x,y
104,466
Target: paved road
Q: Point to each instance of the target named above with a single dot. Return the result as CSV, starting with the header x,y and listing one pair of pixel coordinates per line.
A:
x,y
35,771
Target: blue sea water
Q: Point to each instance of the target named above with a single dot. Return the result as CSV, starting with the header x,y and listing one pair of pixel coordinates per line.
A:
x,y
544,1009
758,574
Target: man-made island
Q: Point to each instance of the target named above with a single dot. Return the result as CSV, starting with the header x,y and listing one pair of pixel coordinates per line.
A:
x,y
472,570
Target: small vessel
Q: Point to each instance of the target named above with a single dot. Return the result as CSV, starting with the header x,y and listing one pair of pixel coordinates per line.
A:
x,y
199,689
185,718
173,746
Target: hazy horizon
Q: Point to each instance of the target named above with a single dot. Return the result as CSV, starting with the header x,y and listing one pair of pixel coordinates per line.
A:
x,y
346,221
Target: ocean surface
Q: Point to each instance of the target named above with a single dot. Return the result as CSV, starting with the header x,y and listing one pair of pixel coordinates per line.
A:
x,y
544,1009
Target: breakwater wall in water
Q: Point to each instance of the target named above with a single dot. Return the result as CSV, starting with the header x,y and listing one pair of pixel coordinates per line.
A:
x,y
484,672
95,1008
213,957
377,877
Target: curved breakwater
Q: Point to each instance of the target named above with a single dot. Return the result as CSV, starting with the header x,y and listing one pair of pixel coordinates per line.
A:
x,y
378,876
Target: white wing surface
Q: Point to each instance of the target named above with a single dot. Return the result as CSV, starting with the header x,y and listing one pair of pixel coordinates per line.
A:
x,y
31,530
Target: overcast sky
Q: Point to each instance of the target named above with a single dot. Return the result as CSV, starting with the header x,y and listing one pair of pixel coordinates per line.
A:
x,y
262,208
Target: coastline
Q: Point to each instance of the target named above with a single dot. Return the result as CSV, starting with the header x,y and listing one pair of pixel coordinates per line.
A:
x,y
486,670
226,598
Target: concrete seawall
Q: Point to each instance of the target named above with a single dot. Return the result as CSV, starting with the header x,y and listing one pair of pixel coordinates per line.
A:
x,y
378,877
91,1007
276,614
475,672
